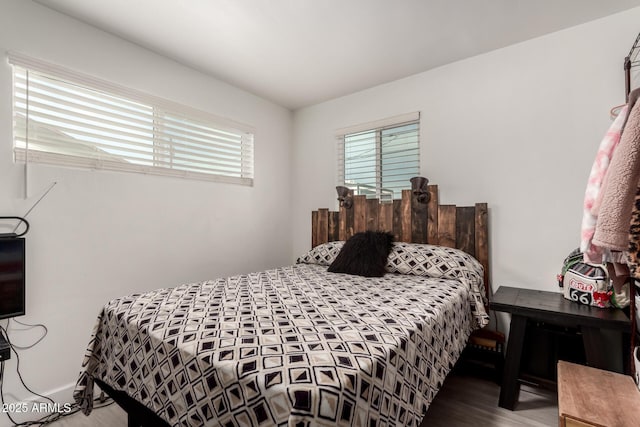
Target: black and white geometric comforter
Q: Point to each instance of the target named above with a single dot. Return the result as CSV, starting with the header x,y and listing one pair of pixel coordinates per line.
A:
x,y
293,346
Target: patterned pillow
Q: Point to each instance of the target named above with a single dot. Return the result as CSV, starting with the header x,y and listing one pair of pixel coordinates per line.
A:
x,y
323,254
433,261
442,262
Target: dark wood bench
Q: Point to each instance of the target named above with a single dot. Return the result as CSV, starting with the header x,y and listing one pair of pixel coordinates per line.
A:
x,y
527,305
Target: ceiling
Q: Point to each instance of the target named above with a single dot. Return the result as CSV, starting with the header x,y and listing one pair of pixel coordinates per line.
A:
x,y
300,52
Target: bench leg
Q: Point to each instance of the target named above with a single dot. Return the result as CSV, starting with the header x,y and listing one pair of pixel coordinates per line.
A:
x,y
598,354
510,389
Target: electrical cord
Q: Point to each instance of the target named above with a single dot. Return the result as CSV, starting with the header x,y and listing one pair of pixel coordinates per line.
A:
x,y
28,326
4,331
55,416
73,408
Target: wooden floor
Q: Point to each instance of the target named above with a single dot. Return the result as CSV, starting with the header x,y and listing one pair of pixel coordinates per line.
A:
x,y
468,401
462,401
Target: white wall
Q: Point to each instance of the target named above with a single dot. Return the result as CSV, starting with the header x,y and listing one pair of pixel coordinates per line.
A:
x,y
517,128
100,235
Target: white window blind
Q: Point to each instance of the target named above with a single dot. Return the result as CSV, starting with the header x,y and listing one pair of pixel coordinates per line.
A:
x,y
378,159
65,118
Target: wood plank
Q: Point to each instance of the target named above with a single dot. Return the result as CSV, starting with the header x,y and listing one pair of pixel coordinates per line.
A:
x,y
334,226
432,215
314,229
482,242
466,229
582,391
447,225
418,221
349,223
397,220
342,224
345,221
385,217
405,216
323,226
372,214
359,213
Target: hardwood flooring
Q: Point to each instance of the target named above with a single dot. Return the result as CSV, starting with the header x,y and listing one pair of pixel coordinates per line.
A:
x,y
467,401
463,401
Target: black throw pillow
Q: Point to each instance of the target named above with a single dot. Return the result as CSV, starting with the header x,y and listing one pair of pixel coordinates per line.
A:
x,y
364,254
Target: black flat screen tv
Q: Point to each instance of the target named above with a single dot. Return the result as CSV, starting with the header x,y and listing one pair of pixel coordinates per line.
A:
x,y
12,277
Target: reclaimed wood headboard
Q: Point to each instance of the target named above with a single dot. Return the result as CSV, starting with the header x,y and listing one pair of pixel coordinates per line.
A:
x,y
462,227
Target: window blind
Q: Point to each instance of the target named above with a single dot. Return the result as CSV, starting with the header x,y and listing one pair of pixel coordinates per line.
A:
x,y
378,162
62,117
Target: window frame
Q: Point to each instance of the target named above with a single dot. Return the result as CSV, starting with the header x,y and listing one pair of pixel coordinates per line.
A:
x,y
241,172
378,127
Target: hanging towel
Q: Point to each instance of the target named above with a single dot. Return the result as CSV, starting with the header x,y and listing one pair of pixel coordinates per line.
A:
x,y
598,171
621,182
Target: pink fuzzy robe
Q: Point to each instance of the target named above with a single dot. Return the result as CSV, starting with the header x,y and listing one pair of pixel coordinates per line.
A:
x,y
592,195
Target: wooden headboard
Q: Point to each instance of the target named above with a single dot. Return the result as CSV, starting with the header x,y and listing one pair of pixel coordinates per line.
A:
x,y
462,227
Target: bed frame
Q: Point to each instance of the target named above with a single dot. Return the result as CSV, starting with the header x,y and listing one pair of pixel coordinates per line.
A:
x,y
138,415
461,227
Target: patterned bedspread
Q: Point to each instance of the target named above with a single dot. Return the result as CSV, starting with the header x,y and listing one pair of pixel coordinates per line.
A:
x,y
293,346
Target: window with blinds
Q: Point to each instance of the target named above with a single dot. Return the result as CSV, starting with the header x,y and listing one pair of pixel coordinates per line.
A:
x,y
62,117
378,159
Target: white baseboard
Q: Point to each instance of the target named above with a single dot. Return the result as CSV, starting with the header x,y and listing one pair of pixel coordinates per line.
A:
x,y
34,407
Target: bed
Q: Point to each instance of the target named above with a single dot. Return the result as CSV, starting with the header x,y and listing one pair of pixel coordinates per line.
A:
x,y
298,345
